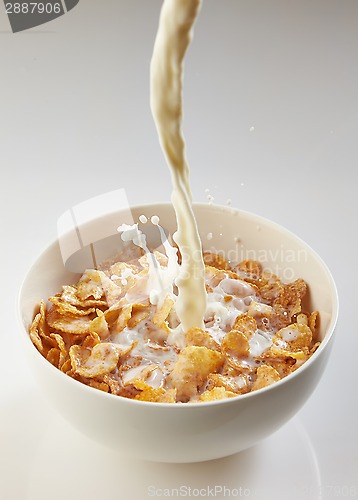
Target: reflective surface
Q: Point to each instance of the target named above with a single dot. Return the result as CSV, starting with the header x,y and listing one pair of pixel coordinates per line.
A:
x,y
55,456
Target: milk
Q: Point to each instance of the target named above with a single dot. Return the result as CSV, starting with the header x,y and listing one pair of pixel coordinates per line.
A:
x,y
166,73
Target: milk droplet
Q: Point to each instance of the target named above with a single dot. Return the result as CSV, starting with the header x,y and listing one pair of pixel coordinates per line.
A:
x,y
242,184
155,220
209,236
143,219
252,129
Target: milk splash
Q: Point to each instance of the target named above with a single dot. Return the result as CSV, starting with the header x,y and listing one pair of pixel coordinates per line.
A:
x,y
160,279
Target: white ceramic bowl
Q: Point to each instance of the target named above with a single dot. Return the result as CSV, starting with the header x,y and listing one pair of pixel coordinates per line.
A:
x,y
187,432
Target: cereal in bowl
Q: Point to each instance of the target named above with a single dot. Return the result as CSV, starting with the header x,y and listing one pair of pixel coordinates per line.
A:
x,y
111,332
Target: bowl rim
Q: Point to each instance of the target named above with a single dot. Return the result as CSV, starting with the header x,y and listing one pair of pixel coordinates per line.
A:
x,y
202,404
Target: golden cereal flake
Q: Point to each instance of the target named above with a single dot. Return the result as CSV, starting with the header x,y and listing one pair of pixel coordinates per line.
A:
x,y
161,259
313,319
34,333
293,340
214,276
245,324
259,310
250,271
272,290
139,313
191,369
124,276
298,355
314,348
235,344
161,314
102,386
64,307
291,295
97,284
266,375
302,319
102,359
77,325
216,394
119,268
39,331
66,367
199,337
99,325
53,356
69,294
169,396
124,315
115,385
238,384
90,284
91,340
215,260
154,395
297,336
284,365
62,347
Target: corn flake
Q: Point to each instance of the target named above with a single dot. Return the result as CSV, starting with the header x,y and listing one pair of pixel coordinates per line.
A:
x,y
53,356
102,359
69,295
245,324
238,384
191,369
266,375
154,395
297,336
99,325
290,296
199,337
235,343
65,308
216,394
123,318
139,313
39,332
77,325
102,386
91,340
160,316
66,367
250,271
216,261
62,347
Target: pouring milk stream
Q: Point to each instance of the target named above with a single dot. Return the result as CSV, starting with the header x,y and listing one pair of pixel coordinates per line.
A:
x,y
166,73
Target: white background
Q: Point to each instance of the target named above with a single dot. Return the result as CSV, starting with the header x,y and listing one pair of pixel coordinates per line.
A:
x,y
271,122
